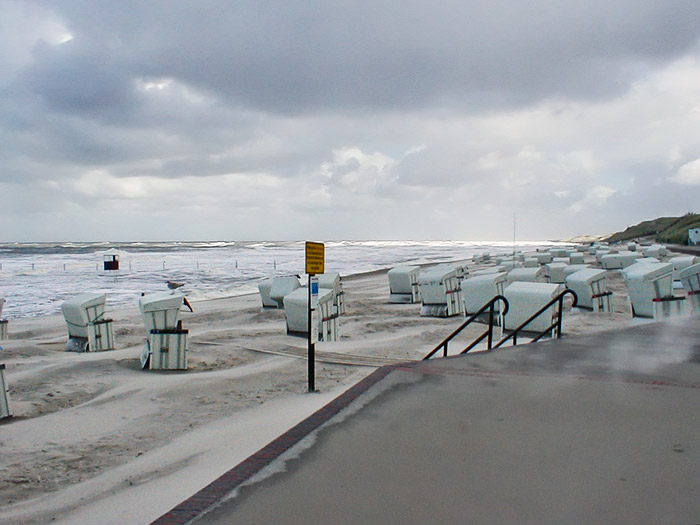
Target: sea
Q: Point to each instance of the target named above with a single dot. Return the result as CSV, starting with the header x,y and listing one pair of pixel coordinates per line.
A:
x,y
36,278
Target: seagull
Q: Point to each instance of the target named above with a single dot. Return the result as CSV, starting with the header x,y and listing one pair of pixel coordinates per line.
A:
x,y
174,286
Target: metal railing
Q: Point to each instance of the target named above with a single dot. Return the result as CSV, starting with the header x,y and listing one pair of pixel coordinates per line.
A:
x,y
556,325
490,306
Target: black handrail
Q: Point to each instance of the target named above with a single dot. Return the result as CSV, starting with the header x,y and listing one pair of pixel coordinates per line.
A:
x,y
557,324
490,306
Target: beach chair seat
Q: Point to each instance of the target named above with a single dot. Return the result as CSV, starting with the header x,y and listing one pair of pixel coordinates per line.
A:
x,y
441,295
480,289
589,285
403,284
690,278
526,298
166,342
88,329
296,311
648,284
282,286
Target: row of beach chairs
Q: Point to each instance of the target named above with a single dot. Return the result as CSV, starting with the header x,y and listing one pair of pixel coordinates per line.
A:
x,y
166,341
448,289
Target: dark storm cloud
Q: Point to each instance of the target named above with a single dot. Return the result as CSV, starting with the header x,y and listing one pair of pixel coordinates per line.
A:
x,y
294,57
369,109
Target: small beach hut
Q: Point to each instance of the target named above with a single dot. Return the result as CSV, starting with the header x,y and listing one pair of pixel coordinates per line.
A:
x,y
111,260
296,311
264,288
537,274
647,284
589,285
690,278
88,329
619,260
441,295
403,284
166,343
526,298
282,286
682,262
480,289
4,403
333,281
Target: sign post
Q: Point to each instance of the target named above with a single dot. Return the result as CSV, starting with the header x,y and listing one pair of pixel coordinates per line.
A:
x,y
315,261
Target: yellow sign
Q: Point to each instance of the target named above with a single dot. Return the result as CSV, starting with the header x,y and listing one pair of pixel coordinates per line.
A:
x,y
315,257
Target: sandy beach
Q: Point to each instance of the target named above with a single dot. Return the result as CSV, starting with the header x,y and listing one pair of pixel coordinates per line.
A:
x,y
96,439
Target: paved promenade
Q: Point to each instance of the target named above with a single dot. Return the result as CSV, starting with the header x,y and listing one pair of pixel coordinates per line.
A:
x,y
601,429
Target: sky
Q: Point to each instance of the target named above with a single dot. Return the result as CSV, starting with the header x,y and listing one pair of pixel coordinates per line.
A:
x,y
332,119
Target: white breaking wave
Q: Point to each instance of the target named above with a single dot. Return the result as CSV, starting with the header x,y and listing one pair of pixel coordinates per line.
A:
x,y
36,278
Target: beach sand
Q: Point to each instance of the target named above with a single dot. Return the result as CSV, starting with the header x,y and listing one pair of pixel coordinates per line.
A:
x,y
96,439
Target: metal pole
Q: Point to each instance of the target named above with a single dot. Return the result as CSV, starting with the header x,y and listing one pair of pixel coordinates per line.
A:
x,y
312,347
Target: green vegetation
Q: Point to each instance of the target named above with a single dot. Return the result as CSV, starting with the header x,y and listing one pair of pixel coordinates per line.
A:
x,y
669,230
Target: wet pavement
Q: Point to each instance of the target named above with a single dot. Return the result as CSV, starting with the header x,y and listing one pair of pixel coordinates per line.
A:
x,y
595,429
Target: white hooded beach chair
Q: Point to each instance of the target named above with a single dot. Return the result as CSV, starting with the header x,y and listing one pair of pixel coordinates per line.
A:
x,y
403,284
647,285
166,343
576,258
543,257
555,272
264,288
682,262
296,311
655,250
4,403
559,252
491,269
282,286
619,260
88,329
589,285
480,289
530,262
441,295
526,298
690,278
537,274
333,281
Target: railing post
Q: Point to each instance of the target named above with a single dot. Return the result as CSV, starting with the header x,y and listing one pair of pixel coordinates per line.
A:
x,y
560,313
490,338
444,352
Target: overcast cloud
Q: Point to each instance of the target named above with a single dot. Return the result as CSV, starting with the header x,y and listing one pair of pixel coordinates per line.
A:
x,y
327,119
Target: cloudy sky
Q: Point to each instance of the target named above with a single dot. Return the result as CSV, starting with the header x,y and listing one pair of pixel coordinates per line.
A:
x,y
339,119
